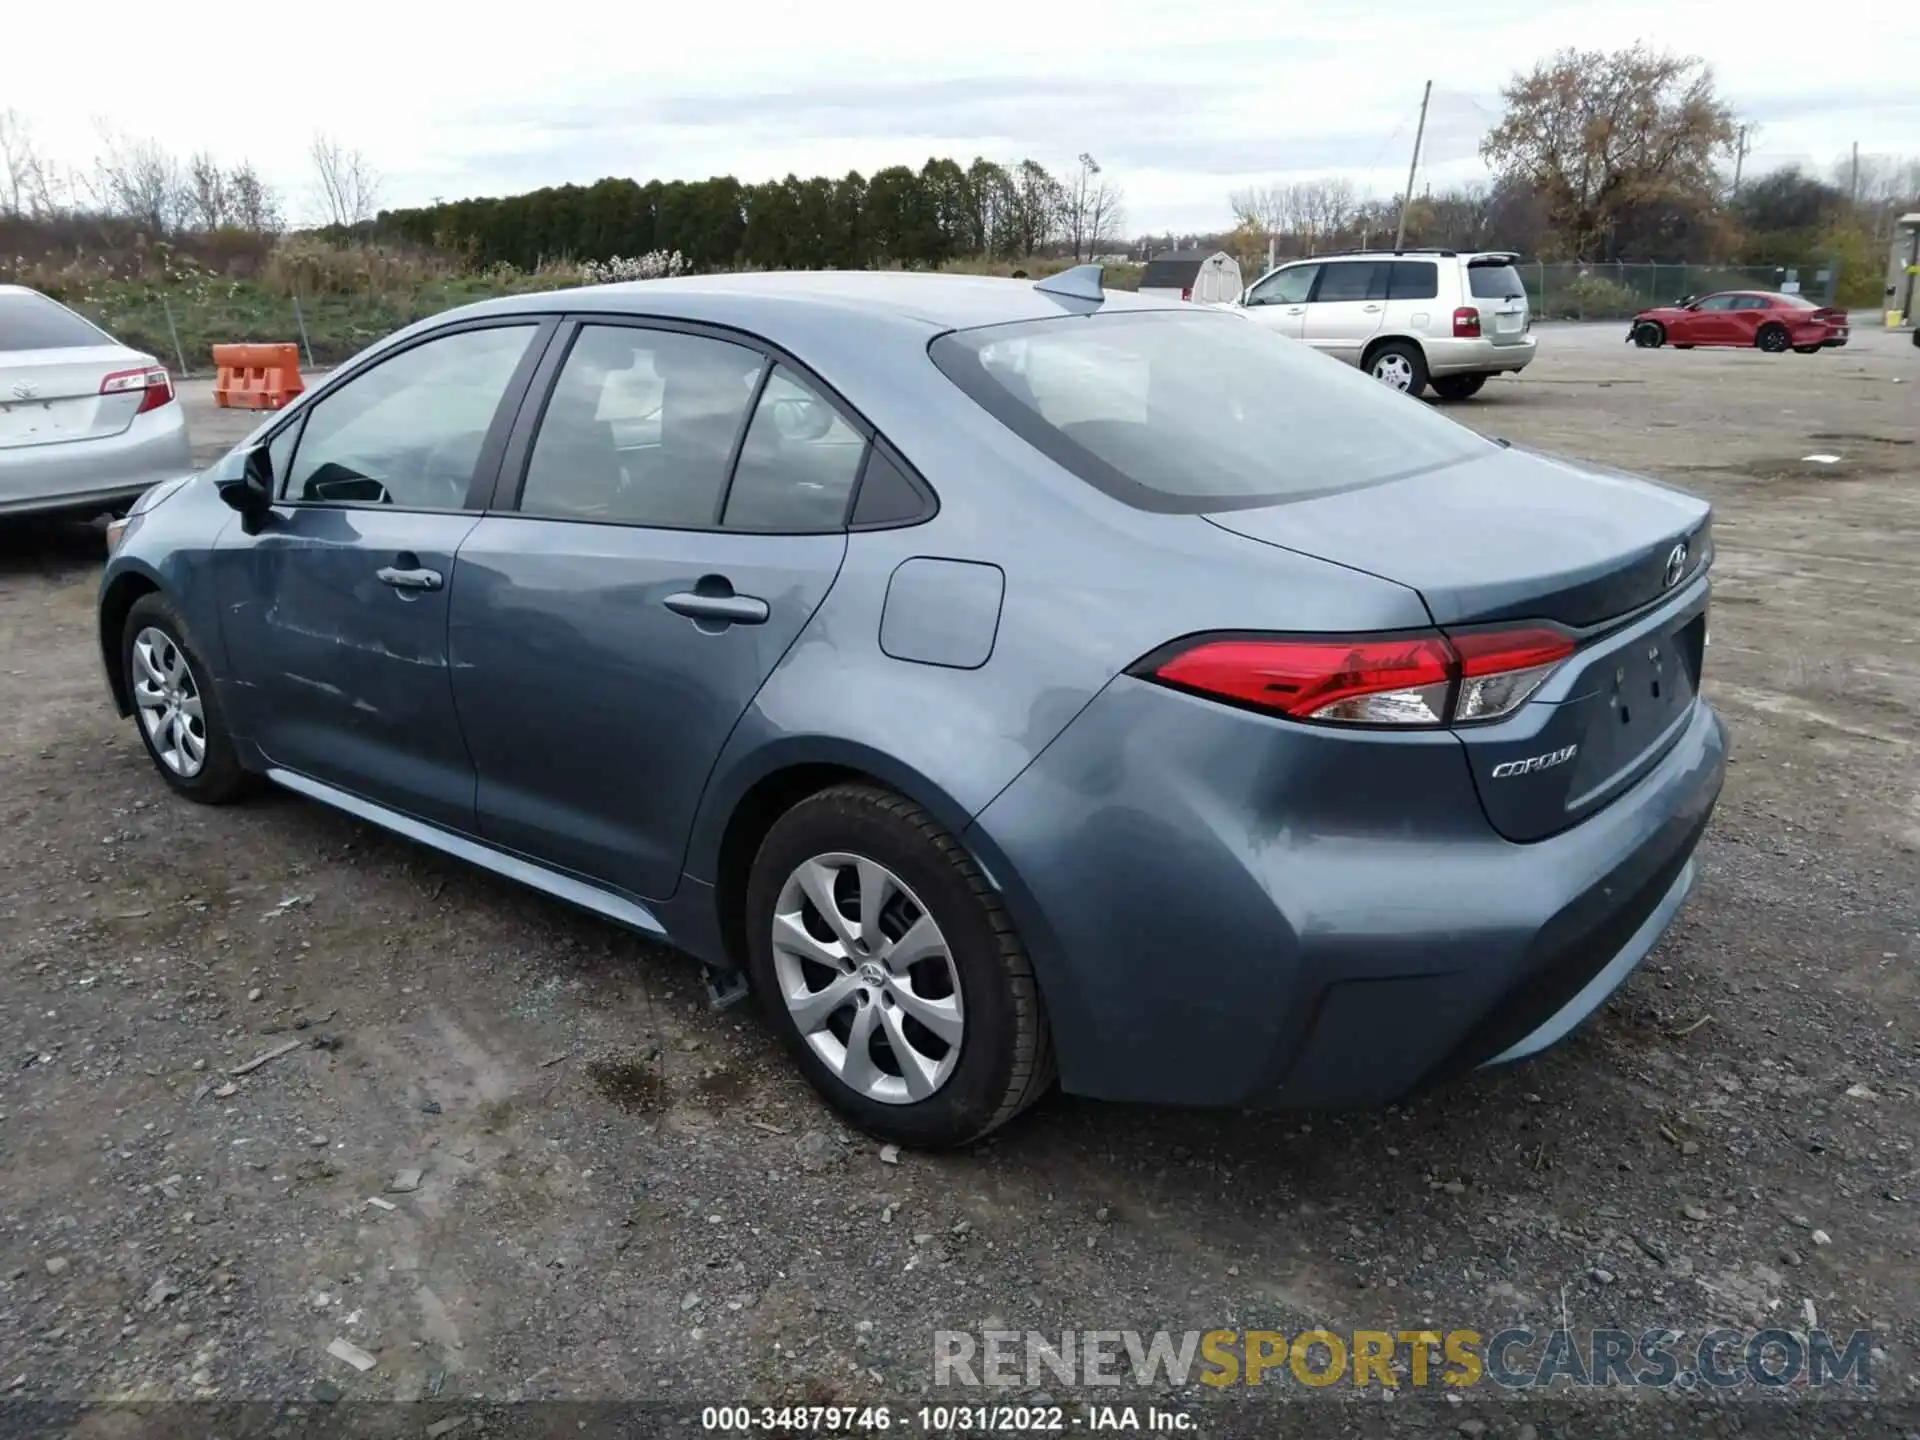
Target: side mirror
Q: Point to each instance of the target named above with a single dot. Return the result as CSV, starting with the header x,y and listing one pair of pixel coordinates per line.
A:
x,y
246,484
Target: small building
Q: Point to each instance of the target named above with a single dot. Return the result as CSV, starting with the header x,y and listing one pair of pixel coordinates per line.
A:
x,y
1204,277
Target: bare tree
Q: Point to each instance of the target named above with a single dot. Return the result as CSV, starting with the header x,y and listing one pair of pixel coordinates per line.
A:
x,y
139,180
252,202
347,185
29,186
208,197
1094,209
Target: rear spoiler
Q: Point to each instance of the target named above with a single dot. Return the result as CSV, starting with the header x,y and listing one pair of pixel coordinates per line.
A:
x,y
1494,257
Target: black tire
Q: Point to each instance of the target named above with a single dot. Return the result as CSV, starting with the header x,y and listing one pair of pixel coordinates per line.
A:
x,y
1649,334
220,777
1773,339
1678,346
1806,349
1458,387
1005,1053
1416,365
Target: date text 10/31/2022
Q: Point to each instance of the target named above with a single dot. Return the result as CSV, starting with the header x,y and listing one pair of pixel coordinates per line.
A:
x,y
945,1419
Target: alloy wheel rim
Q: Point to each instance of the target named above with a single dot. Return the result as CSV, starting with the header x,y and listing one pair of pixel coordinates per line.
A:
x,y
1773,340
868,977
168,700
1394,370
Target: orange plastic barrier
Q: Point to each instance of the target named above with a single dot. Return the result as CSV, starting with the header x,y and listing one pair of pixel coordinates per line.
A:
x,y
256,377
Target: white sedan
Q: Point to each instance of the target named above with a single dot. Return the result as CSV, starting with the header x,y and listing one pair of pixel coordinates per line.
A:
x,y
86,424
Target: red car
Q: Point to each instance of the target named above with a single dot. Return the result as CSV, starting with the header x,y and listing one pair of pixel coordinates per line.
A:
x,y
1758,318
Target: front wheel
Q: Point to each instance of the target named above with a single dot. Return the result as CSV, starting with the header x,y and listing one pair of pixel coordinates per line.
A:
x,y
175,706
1649,335
1774,339
1458,387
1399,366
884,959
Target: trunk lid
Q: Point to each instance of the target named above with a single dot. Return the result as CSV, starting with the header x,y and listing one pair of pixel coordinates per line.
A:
x,y
50,397
1512,536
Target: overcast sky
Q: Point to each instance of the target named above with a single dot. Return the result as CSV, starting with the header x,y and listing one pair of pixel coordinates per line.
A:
x,y
1181,103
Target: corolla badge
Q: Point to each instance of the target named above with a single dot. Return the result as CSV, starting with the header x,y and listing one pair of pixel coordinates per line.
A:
x,y
1535,763
1676,564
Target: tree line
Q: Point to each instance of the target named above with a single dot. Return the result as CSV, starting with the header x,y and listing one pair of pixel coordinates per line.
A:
x,y
1631,156
920,218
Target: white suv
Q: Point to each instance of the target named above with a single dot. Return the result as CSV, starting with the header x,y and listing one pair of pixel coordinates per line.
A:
x,y
1411,318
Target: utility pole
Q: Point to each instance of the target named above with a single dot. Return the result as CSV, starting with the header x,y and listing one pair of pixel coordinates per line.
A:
x,y
1739,159
1419,134
1853,176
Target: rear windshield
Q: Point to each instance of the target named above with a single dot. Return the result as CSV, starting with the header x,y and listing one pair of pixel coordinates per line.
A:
x,y
1194,411
1495,282
33,322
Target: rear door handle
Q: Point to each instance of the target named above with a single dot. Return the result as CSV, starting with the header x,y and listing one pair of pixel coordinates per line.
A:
x,y
729,609
1369,308
416,579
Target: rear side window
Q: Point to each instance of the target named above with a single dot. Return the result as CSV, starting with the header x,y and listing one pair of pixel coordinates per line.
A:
x,y
1495,282
1353,280
798,464
640,428
29,321
1786,302
1414,280
1189,412
1753,302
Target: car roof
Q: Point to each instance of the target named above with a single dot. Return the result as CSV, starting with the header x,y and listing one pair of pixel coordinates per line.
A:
x,y
767,300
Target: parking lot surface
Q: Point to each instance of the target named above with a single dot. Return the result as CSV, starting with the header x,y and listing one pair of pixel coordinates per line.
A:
x,y
621,1194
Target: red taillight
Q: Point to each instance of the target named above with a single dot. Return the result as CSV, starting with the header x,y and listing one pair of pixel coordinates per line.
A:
x,y
152,380
1186,292
1424,679
1466,323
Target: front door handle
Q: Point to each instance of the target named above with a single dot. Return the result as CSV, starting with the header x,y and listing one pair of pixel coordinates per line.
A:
x,y
1298,310
416,579
728,609
1370,309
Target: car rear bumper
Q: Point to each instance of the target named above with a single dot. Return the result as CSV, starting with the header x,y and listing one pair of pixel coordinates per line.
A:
x,y
1228,913
83,474
1447,356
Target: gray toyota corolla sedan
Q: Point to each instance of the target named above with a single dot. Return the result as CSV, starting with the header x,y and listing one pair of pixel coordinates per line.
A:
x,y
1012,680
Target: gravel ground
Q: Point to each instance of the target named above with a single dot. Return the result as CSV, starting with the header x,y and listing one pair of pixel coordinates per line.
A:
x,y
506,1151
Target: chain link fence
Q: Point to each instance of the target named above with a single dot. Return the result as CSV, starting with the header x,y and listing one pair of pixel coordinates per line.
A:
x,y
1619,291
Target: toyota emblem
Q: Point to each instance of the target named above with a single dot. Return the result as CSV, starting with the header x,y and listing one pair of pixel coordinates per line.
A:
x,y
24,391
1676,564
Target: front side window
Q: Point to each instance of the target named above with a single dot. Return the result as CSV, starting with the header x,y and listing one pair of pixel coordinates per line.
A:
x,y
407,432
1353,280
1717,302
1285,287
640,428
798,464
1181,411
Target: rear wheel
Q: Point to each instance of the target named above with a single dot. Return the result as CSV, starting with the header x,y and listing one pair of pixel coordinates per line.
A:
x,y
1649,334
1399,365
175,706
1773,339
1458,387
891,971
